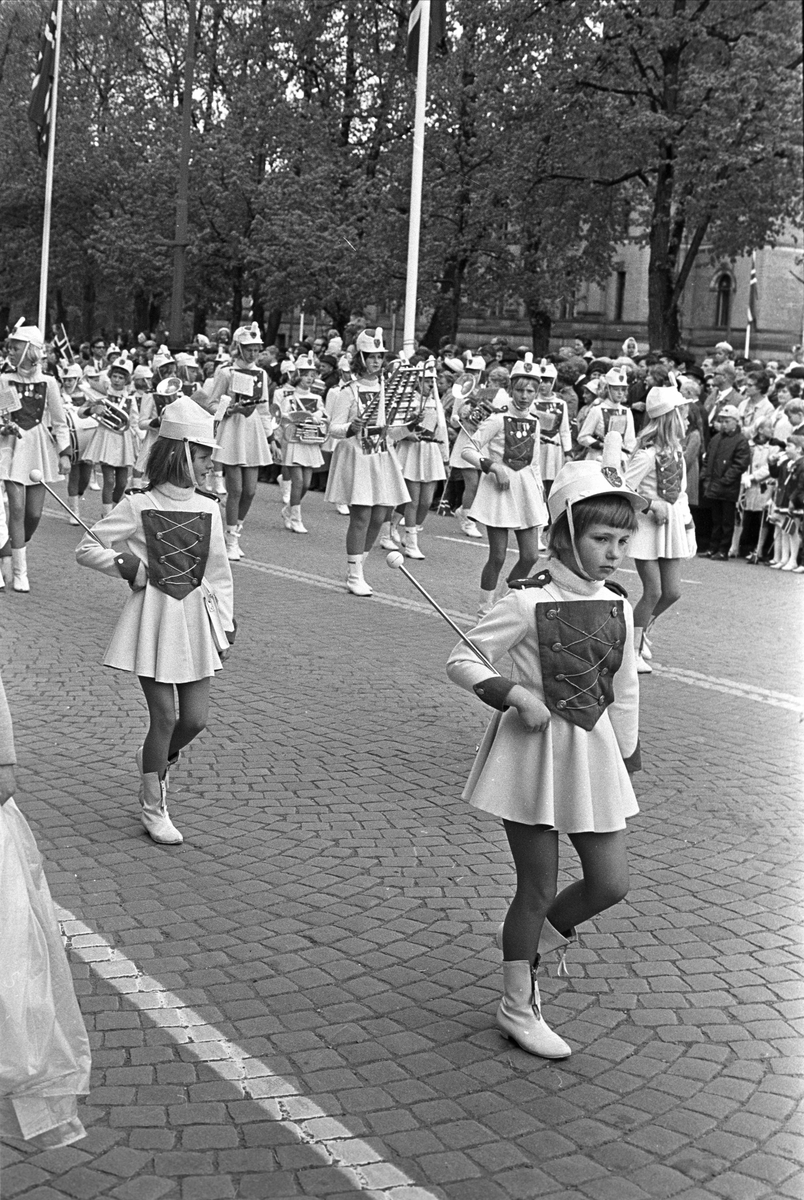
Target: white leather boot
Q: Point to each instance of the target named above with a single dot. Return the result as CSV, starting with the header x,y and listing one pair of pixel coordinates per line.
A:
x,y
519,1015
355,582
485,604
467,524
642,665
233,551
389,538
284,491
19,560
106,509
153,807
296,524
74,505
550,942
410,544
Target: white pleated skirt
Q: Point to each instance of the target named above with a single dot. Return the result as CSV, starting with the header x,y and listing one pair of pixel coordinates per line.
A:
x,y
112,449
566,778
521,506
242,442
302,454
365,479
34,451
673,540
421,462
164,639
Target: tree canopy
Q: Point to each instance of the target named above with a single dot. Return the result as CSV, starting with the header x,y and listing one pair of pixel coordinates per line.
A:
x,y
556,129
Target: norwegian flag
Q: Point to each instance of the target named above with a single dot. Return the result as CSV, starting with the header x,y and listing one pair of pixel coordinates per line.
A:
x,y
438,30
42,89
751,313
61,343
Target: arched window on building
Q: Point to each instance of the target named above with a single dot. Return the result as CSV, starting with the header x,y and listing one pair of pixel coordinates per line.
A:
x,y
724,292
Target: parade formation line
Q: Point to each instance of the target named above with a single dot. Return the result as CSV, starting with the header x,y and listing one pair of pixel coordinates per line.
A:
x,y
252,1081
729,687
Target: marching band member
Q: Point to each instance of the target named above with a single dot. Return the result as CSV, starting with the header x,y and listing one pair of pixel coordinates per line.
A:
x,y
26,396
113,444
177,624
365,472
81,426
239,393
555,440
467,413
558,754
303,422
609,415
510,495
664,537
152,406
422,453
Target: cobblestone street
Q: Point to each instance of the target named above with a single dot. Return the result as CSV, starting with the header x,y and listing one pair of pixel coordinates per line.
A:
x,y
300,1000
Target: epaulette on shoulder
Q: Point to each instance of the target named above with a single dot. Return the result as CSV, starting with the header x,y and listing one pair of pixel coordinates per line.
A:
x,y
137,491
616,587
540,580
209,495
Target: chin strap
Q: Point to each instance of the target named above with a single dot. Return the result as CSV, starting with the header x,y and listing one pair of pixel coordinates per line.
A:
x,y
189,458
571,525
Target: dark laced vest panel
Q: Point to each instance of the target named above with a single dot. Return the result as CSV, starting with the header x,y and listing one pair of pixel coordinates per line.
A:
x,y
669,475
580,648
549,413
178,549
520,439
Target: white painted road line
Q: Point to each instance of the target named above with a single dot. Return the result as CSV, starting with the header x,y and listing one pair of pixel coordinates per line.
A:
x,y
440,537
250,1079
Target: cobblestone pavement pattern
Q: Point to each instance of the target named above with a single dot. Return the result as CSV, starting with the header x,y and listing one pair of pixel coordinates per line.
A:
x,y
300,1000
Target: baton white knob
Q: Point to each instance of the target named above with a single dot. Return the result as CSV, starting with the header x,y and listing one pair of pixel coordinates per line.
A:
x,y
36,476
395,559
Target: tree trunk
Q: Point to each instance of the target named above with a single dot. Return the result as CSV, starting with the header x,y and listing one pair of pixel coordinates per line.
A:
x,y
89,308
140,309
257,306
443,324
272,325
61,311
541,324
154,311
237,298
199,319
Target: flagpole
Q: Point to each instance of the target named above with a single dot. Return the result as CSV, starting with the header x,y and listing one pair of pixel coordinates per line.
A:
x,y
416,176
51,157
751,315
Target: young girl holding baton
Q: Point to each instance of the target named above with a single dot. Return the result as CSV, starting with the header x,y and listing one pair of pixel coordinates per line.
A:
x,y
178,623
558,759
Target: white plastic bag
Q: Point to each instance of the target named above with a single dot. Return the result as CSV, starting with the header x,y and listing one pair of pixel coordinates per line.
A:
x,y
44,1049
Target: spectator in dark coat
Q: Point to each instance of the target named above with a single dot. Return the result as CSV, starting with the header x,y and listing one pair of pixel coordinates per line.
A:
x,y
727,457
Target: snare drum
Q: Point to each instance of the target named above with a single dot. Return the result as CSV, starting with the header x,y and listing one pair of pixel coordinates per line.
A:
x,y
81,430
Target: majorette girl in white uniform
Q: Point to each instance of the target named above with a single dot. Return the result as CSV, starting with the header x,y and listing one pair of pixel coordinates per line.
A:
x,y
553,415
27,397
665,536
510,495
178,622
468,413
558,759
114,443
365,472
610,415
238,395
422,453
81,426
304,424
152,406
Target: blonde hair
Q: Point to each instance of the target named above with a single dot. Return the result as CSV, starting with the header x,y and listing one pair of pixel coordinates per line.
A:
x,y
664,432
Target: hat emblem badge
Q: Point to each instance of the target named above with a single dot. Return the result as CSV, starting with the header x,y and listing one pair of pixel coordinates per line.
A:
x,y
612,476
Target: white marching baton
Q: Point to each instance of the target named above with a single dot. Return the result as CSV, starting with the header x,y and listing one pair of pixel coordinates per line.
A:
x,y
36,477
397,560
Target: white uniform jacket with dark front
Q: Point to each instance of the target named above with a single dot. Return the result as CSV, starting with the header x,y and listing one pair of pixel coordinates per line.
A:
x,y
118,446
661,477
604,418
570,777
30,446
512,440
162,636
301,441
242,437
556,438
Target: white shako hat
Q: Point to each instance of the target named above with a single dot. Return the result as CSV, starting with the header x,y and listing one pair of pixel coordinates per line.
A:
x,y
185,421
142,372
305,362
122,363
370,343
31,334
476,362
429,369
582,480
661,400
247,335
525,367
547,369
162,358
73,372
616,377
